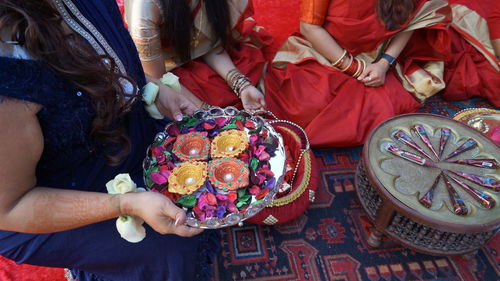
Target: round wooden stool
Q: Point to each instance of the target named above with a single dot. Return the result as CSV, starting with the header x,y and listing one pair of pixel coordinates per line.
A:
x,y
430,183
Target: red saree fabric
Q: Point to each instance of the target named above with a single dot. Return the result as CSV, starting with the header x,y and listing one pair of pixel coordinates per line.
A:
x,y
249,57
494,21
468,72
334,108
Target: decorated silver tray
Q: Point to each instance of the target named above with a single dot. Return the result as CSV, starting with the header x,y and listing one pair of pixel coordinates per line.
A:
x,y
221,165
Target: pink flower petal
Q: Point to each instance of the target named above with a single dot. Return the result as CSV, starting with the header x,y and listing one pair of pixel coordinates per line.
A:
x,y
158,178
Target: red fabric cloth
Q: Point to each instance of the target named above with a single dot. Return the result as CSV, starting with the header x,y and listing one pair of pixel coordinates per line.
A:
x,y
494,20
10,271
468,73
333,108
336,109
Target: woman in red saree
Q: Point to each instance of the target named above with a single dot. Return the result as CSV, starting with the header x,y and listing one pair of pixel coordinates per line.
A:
x,y
335,78
473,69
204,43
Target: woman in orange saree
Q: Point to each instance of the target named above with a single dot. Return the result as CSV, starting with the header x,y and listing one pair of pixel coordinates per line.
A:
x,y
214,48
473,69
336,80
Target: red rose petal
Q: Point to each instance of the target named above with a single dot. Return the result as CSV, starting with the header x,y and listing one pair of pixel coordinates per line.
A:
x,y
262,194
250,124
211,199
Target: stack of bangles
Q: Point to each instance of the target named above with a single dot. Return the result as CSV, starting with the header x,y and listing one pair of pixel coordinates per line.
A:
x,y
354,68
237,81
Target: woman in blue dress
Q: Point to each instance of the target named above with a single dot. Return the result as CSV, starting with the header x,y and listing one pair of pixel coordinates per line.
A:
x,y
71,120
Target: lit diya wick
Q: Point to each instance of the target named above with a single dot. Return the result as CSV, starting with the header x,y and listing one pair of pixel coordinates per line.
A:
x,y
228,173
187,177
229,143
191,146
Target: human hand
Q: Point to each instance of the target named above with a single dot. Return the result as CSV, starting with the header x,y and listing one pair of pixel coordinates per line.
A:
x,y
172,104
374,74
158,212
252,99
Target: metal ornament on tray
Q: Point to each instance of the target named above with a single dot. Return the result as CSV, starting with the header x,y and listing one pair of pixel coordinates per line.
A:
x,y
226,175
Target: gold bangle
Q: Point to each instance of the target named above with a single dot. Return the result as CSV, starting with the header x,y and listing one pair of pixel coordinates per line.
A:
x,y
338,61
360,69
347,67
231,73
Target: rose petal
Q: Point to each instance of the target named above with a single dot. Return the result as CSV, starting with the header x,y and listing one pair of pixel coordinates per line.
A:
x,y
264,156
270,183
211,199
262,194
158,178
130,228
209,187
239,125
250,124
254,190
173,130
253,139
220,121
232,208
232,196
221,197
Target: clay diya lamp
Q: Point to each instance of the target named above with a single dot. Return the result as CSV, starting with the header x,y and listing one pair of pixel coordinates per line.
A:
x,y
191,146
228,173
187,177
230,143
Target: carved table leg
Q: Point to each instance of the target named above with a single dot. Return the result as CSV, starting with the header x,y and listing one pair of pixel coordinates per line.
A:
x,y
375,238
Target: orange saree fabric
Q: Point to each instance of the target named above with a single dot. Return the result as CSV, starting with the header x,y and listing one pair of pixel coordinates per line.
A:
x,y
472,69
334,108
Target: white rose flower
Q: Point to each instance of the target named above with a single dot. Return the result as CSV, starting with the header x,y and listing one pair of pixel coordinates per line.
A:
x,y
130,228
171,80
121,184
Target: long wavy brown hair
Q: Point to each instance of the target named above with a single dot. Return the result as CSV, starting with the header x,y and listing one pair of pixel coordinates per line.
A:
x,y
39,28
395,13
177,31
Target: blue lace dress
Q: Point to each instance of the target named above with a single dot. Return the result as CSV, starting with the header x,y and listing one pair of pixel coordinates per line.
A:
x,y
71,160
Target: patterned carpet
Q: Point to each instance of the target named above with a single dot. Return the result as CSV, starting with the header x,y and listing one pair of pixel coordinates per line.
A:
x,y
328,242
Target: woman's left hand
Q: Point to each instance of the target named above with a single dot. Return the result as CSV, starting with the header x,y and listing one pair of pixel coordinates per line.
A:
x,y
374,74
252,98
172,104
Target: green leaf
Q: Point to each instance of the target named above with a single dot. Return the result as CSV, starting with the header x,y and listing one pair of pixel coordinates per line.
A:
x,y
167,154
148,181
258,202
230,126
152,169
187,201
245,198
254,163
153,160
241,192
188,122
